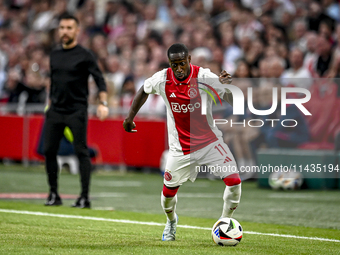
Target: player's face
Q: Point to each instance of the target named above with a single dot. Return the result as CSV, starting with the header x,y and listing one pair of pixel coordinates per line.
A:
x,y
68,31
180,65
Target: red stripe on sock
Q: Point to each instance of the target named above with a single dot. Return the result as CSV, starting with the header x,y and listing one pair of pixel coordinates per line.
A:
x,y
233,179
169,192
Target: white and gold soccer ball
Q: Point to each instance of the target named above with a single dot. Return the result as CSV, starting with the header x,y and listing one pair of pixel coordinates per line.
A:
x,y
227,232
285,180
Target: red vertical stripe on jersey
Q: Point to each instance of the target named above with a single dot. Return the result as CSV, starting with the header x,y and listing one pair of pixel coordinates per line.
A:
x,y
184,99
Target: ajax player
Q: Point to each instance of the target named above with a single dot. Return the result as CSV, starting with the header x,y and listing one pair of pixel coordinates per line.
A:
x,y
193,139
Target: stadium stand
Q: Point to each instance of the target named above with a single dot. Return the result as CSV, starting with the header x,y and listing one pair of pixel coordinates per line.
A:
x,y
130,38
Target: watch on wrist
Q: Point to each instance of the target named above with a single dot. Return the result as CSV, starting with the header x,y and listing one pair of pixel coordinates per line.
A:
x,y
104,103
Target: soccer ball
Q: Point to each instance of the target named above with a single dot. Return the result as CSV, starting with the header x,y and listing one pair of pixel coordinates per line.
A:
x,y
276,180
285,180
227,232
292,181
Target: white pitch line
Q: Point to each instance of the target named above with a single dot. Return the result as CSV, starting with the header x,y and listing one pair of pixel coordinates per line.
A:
x,y
157,224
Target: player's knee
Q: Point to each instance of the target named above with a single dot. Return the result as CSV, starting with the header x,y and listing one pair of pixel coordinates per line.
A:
x,y
232,180
169,192
81,151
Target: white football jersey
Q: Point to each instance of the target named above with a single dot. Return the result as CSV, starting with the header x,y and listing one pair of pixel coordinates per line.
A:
x,y
188,129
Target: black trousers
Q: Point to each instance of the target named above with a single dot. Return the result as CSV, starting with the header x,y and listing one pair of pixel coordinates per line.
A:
x,y
54,130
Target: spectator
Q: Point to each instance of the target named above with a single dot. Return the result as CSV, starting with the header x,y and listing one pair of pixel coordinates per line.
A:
x,y
231,51
33,91
331,9
300,32
114,74
264,68
297,75
326,30
242,70
44,16
277,66
310,56
316,16
324,58
337,42
255,53
248,26
127,93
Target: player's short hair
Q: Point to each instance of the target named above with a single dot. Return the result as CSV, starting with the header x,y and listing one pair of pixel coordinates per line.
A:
x,y
66,15
178,48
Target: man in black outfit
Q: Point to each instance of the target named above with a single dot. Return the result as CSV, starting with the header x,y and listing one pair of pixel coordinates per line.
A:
x,y
71,66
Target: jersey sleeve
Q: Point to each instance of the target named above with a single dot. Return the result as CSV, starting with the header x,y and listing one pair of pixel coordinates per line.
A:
x,y
213,80
50,74
95,72
152,84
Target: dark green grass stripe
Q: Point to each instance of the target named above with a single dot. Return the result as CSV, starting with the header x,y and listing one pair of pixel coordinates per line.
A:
x,y
156,224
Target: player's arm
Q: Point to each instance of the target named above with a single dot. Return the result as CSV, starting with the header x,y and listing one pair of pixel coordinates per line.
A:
x,y
137,103
228,97
96,73
225,78
49,91
102,109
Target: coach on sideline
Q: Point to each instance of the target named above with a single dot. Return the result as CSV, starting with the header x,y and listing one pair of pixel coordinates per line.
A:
x,y
71,65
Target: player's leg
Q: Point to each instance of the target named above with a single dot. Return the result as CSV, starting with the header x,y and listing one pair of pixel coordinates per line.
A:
x,y
53,132
169,201
77,122
219,157
177,171
231,195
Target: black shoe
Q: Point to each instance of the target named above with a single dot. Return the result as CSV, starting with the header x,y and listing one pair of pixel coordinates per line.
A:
x,y
53,199
82,202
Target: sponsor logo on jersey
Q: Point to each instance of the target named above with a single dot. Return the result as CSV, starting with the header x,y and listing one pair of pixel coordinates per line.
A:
x,y
184,108
173,95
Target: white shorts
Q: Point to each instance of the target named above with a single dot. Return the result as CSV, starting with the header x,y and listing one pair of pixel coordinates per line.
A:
x,y
215,158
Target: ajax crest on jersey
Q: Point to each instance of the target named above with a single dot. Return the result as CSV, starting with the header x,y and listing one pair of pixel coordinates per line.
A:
x,y
192,93
227,232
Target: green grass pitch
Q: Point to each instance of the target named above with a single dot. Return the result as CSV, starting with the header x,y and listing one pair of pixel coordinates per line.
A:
x,y
303,215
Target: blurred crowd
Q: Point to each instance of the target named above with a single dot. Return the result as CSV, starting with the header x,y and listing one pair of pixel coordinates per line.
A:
x,y
279,42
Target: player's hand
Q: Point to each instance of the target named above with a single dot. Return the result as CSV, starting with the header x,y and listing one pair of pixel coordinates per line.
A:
x,y
102,112
129,126
225,78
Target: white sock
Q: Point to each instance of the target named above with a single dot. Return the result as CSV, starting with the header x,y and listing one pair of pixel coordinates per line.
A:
x,y
231,197
169,206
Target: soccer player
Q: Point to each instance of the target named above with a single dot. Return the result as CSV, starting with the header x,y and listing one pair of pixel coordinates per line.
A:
x,y
193,139
71,65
